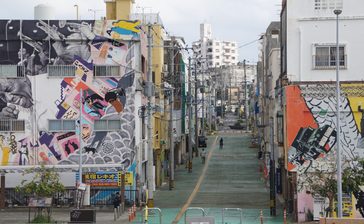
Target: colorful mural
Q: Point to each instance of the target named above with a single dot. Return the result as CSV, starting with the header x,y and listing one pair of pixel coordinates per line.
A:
x,y
311,123
35,44
311,130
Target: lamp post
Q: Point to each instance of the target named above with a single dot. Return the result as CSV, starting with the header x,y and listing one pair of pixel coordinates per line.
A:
x,y
76,6
338,162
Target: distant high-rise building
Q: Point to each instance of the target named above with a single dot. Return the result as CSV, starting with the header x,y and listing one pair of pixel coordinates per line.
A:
x,y
214,52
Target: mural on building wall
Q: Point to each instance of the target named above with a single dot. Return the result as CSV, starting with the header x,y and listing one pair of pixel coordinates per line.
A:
x,y
35,44
311,129
311,120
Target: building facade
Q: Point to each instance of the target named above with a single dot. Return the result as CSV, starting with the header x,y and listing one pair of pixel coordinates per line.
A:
x,y
307,90
214,52
71,85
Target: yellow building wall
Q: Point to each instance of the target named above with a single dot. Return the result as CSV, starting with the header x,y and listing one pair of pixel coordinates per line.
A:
x,y
118,9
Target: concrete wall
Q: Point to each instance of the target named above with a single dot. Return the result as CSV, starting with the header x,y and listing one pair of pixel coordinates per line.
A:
x,y
307,27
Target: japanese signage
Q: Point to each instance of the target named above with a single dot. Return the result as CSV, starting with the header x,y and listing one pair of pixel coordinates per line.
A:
x,y
103,179
128,178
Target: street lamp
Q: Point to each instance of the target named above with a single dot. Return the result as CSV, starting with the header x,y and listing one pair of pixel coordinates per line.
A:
x,y
76,6
338,162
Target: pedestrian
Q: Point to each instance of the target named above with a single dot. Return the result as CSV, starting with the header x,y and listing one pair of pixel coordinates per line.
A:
x,y
221,143
116,200
203,155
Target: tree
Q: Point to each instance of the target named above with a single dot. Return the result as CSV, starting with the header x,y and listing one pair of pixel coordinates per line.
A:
x,y
44,184
321,179
353,178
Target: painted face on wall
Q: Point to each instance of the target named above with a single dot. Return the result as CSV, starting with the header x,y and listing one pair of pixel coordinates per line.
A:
x,y
86,131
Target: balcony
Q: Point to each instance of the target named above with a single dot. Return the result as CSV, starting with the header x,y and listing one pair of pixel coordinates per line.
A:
x,y
12,71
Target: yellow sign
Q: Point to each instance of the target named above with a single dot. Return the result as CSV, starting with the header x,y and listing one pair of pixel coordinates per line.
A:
x,y
128,178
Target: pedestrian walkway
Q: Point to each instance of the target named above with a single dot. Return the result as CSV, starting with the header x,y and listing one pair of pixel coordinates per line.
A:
x,y
230,178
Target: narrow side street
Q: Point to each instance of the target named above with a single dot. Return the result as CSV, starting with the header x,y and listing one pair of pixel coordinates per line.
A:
x,y
231,179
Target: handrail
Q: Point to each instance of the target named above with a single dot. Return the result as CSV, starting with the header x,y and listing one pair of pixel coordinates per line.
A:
x,y
232,209
194,208
152,209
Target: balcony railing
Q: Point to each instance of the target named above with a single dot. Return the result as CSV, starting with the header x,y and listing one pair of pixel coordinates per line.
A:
x,y
61,70
12,71
107,70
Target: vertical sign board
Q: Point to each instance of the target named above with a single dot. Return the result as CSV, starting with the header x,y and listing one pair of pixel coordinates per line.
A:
x,y
129,179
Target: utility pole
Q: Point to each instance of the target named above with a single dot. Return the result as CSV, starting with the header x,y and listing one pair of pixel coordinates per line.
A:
x,y
272,171
245,98
149,86
209,107
80,137
229,87
171,153
189,117
203,102
196,112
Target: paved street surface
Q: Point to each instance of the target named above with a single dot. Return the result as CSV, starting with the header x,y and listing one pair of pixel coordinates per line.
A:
x,y
59,215
229,179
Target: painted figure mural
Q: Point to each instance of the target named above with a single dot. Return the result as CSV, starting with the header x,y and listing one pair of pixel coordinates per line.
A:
x,y
35,97
311,128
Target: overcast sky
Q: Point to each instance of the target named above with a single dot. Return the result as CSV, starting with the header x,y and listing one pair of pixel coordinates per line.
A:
x,y
233,20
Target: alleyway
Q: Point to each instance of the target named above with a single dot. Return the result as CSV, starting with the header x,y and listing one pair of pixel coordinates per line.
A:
x,y
230,179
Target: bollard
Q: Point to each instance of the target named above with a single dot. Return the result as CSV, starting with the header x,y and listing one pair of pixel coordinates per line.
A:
x,y
129,215
261,217
119,211
284,216
115,214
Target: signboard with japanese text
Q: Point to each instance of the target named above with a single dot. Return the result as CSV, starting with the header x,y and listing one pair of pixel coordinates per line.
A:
x,y
103,179
128,178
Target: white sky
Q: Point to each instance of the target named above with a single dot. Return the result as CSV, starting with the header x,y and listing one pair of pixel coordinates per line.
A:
x,y
234,20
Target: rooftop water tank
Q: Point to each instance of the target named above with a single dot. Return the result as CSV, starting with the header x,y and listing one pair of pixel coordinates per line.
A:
x,y
44,12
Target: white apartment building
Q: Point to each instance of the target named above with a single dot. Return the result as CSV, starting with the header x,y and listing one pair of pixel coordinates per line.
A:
x,y
214,53
310,41
308,52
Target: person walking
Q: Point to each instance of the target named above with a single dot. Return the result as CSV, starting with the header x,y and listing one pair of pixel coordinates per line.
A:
x,y
221,143
203,155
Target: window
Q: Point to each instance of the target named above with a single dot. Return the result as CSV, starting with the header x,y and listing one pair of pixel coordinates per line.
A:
x,y
61,70
12,125
232,51
328,4
217,50
209,57
325,57
12,71
106,70
61,125
217,57
209,50
107,125
233,58
217,44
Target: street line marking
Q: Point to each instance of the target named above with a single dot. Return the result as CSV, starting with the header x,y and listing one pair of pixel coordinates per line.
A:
x,y
197,187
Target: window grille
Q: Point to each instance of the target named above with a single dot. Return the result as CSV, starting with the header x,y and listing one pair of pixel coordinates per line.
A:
x,y
61,125
61,70
328,4
12,125
325,57
106,70
107,125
